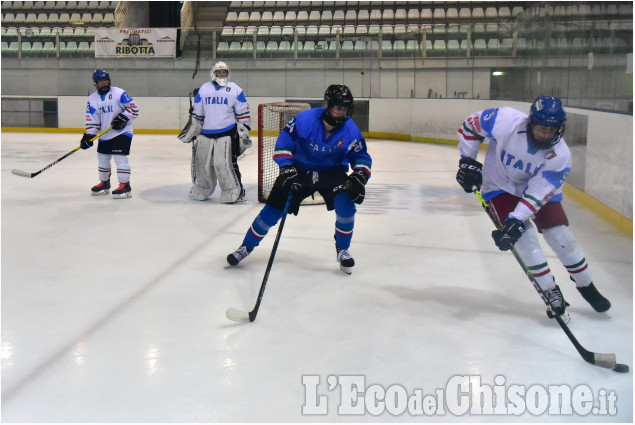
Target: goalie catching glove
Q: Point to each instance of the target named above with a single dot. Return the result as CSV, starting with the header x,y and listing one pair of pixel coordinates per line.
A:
x,y
244,141
355,186
192,129
506,237
119,122
469,174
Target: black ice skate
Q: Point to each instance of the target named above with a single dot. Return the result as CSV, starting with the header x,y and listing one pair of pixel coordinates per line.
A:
x,y
237,256
556,302
123,191
346,260
101,188
593,297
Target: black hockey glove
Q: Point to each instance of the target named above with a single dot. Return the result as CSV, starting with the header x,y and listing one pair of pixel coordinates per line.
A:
x,y
290,178
86,143
119,122
509,234
355,186
469,174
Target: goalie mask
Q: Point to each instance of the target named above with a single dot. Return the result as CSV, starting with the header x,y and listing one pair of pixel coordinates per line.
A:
x,y
337,95
98,75
223,79
546,121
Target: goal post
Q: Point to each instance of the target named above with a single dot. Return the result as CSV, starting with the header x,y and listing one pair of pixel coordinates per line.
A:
x,y
272,118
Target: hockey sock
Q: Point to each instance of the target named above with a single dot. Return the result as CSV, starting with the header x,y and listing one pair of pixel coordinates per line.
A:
x,y
266,219
563,243
529,249
123,168
344,220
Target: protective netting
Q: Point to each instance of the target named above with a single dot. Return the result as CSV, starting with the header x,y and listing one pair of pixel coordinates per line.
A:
x,y
272,118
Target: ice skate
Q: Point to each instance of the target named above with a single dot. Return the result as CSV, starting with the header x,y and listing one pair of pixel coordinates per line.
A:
x,y
237,256
346,260
123,191
241,197
593,297
101,188
556,302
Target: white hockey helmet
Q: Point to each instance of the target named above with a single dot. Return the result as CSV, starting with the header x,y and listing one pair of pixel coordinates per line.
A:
x,y
218,66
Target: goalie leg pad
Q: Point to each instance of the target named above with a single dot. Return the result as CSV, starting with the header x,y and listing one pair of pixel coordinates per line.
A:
x,y
224,168
205,176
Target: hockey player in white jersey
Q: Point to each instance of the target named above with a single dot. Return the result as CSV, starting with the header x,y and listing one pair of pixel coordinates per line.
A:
x,y
110,106
524,170
219,126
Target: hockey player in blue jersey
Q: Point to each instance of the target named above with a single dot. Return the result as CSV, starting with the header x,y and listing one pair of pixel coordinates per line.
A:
x,y
314,152
524,170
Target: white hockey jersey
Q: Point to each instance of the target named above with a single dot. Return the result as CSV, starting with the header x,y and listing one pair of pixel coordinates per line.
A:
x,y
512,163
102,109
220,108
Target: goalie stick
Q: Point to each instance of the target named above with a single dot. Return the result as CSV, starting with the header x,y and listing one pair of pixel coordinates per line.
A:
x,y
598,359
246,317
35,173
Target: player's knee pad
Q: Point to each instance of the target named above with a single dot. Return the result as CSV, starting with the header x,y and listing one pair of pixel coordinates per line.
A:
x,y
104,160
560,238
344,207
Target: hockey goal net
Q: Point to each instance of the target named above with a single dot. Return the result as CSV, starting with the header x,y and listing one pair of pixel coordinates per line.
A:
x,y
272,118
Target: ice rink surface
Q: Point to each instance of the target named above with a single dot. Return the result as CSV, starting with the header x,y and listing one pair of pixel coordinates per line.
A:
x,y
114,310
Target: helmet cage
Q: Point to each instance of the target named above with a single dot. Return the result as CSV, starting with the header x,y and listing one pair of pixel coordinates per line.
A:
x,y
221,81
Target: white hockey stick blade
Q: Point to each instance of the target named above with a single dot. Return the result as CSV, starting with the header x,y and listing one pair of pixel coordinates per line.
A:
x,y
21,173
237,315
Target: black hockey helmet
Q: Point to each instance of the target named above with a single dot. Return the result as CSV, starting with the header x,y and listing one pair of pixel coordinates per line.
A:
x,y
337,95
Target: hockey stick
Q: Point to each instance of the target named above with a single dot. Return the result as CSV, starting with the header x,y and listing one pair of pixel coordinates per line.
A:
x,y
243,316
31,175
602,360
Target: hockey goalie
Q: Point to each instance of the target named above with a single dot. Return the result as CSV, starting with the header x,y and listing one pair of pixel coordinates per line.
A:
x,y
219,126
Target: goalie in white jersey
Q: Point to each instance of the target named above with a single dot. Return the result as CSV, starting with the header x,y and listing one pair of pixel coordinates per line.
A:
x,y
524,170
110,106
221,119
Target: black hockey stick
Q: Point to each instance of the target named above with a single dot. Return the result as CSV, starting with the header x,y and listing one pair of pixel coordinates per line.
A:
x,y
243,316
602,360
31,175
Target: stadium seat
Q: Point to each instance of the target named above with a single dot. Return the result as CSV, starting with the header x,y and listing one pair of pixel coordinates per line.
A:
x,y
386,48
438,14
338,16
49,49
278,17
302,17
375,15
276,31
413,15
223,47
363,16
350,17
426,14
453,48
412,46
109,19
493,47
399,47
452,13
506,46
243,17
234,47
491,12
68,48
284,48
465,13
327,17
267,17
254,17
271,47
290,17
480,47
347,48
387,16
478,13
84,49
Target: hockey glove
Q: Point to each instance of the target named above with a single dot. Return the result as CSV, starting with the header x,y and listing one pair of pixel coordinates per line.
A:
x,y
469,174
290,178
355,186
86,141
119,122
506,237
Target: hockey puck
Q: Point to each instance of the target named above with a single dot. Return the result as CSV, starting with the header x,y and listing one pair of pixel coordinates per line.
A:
x,y
621,368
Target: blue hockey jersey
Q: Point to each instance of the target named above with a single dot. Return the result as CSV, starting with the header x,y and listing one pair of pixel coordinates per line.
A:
x,y
304,143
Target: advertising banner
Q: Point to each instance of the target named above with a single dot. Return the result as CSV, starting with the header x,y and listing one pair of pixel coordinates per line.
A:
x,y
135,42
